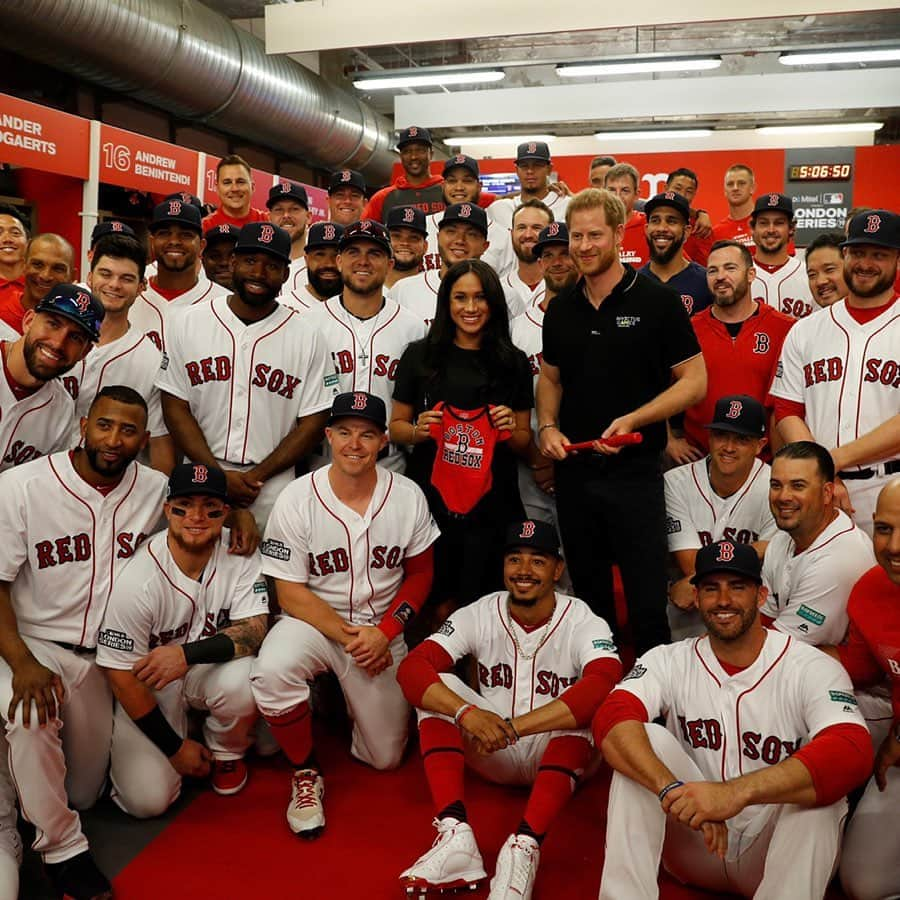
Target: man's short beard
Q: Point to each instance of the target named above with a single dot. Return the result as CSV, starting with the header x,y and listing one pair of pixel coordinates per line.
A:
x,y
666,256
324,287
412,265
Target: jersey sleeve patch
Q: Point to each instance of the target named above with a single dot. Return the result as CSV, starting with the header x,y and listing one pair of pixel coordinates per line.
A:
x,y
446,628
811,615
275,550
673,526
404,613
330,380
842,697
115,640
600,644
637,671
259,587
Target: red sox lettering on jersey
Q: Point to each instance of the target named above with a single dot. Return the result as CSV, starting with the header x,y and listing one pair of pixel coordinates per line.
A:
x,y
786,288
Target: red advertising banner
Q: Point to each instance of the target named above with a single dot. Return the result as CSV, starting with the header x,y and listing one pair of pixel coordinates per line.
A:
x,y
37,137
133,161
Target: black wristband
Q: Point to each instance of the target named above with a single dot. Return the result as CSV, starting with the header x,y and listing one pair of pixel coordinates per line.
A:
x,y
216,649
156,727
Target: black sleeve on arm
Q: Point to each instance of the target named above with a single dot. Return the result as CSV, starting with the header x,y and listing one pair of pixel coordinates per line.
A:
x,y
681,342
408,373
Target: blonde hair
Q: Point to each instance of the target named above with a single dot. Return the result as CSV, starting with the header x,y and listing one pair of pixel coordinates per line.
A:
x,y
595,198
623,170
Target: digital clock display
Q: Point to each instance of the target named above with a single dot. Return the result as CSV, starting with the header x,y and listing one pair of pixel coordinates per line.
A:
x,y
821,172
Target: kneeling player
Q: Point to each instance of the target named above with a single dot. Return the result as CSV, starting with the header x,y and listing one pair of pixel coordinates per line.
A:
x,y
545,662
349,547
183,621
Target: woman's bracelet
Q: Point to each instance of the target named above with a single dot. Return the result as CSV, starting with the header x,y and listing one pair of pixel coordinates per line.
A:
x,y
669,787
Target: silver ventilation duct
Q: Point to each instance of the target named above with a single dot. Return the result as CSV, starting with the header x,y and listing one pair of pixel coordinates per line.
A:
x,y
185,58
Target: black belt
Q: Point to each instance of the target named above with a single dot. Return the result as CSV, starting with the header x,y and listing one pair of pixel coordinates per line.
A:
x,y
77,649
888,468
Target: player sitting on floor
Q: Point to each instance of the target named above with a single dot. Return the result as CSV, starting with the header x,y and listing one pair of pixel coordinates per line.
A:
x,y
763,739
545,662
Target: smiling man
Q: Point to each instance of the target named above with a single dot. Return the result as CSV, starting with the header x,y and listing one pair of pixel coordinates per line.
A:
x,y
740,183
346,197
49,261
234,185
825,269
13,240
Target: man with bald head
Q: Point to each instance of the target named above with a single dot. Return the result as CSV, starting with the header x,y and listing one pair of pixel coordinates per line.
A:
x,y
870,866
49,261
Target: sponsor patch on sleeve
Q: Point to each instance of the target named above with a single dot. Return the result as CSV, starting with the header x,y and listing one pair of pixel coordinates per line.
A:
x,y
601,644
404,613
673,526
275,550
115,640
331,380
259,587
842,697
810,614
446,628
164,361
637,671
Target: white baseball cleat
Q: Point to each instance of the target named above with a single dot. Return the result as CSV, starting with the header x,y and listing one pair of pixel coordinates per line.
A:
x,y
517,865
305,812
453,863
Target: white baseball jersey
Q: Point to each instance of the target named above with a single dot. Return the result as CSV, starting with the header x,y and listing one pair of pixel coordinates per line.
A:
x,y
246,384
732,725
154,603
63,543
519,670
432,258
526,332
846,374
418,294
7,332
151,310
294,293
34,425
354,563
302,301
697,516
131,360
519,295
808,590
786,289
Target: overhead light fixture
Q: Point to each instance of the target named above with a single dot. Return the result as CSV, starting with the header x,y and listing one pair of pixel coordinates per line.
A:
x,y
385,82
653,135
837,57
639,66
835,128
488,139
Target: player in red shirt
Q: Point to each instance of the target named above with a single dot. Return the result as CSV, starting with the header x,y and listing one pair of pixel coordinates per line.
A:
x,y
740,183
49,261
234,184
696,247
13,240
870,866
623,180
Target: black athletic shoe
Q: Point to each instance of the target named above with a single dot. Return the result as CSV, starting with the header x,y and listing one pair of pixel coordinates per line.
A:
x,y
79,878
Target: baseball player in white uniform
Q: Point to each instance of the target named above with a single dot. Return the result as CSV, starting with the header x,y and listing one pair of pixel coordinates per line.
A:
x,y
838,376
288,206
245,385
544,665
525,280
406,227
182,625
366,331
781,279
176,242
743,789
36,410
722,497
350,549
461,184
818,554
68,524
533,166
323,277
123,355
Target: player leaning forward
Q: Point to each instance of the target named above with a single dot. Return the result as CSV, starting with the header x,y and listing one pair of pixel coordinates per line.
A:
x,y
743,788
182,624
349,547
545,662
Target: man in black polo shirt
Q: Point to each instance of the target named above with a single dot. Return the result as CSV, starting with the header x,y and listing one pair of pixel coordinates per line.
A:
x,y
619,355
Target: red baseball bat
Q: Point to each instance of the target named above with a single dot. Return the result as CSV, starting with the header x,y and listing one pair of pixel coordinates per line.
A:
x,y
617,440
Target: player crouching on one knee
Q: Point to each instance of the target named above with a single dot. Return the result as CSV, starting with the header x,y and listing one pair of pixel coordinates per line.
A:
x,y
183,623
545,662
743,789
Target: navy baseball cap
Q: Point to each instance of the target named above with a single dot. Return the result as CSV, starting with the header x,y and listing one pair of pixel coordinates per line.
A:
x,y
470,213
187,197
414,135
407,217
219,233
669,198
773,203
879,227
727,556
741,414
532,534
461,161
190,479
264,237
533,150
110,226
346,178
324,234
359,405
287,190
367,230
77,304
176,211
554,233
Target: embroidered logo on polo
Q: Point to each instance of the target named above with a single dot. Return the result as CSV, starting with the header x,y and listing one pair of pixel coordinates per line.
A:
x,y
627,321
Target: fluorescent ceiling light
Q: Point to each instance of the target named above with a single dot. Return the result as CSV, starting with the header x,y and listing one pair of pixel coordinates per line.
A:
x,y
819,129
432,79
488,139
653,135
697,64
827,57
